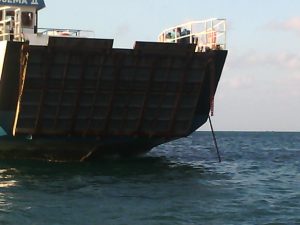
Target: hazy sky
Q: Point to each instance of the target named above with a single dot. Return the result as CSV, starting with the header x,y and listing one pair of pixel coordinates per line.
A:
x,y
260,86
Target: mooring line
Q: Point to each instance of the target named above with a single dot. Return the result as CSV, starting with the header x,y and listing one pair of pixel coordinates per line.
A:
x,y
215,139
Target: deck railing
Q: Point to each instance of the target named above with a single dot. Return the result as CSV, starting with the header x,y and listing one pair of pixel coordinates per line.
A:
x,y
66,32
206,34
10,26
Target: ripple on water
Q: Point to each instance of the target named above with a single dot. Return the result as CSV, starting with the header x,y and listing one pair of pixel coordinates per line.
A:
x,y
177,183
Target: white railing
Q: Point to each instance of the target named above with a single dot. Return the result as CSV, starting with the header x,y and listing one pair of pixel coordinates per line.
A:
x,y
206,34
10,27
66,32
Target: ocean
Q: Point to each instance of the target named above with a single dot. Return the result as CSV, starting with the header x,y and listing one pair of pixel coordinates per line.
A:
x,y
180,182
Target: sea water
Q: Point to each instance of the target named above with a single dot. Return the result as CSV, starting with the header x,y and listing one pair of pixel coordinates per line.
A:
x,y
181,182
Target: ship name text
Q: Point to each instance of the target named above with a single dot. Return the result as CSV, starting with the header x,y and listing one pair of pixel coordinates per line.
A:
x,y
21,2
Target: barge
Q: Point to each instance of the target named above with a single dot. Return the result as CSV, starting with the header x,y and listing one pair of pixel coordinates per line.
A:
x,y
65,96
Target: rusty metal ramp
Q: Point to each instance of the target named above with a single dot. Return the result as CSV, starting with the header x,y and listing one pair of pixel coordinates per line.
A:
x,y
84,87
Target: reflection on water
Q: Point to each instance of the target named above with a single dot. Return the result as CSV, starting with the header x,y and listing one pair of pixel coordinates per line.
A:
x,y
5,203
6,184
178,183
64,187
6,178
116,168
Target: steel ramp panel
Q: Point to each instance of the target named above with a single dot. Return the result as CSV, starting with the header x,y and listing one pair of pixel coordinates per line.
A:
x,y
100,91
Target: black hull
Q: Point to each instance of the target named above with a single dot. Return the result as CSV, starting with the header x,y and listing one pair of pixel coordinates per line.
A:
x,y
80,99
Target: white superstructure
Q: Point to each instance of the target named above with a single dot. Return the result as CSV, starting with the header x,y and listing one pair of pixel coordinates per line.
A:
x,y
19,22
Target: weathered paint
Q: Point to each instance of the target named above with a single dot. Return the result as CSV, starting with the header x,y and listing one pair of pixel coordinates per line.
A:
x,y
82,98
2,55
9,85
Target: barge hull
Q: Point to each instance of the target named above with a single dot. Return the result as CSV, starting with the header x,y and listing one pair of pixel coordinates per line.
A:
x,y
81,98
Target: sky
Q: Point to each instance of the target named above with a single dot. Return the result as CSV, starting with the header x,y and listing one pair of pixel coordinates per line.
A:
x,y
260,86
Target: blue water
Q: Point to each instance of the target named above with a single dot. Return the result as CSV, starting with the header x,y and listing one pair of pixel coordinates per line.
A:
x,y
258,182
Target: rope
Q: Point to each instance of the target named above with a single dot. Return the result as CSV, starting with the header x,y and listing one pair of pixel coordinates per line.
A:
x,y
215,139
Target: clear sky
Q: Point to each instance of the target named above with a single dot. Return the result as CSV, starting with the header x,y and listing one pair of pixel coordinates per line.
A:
x,y
260,86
